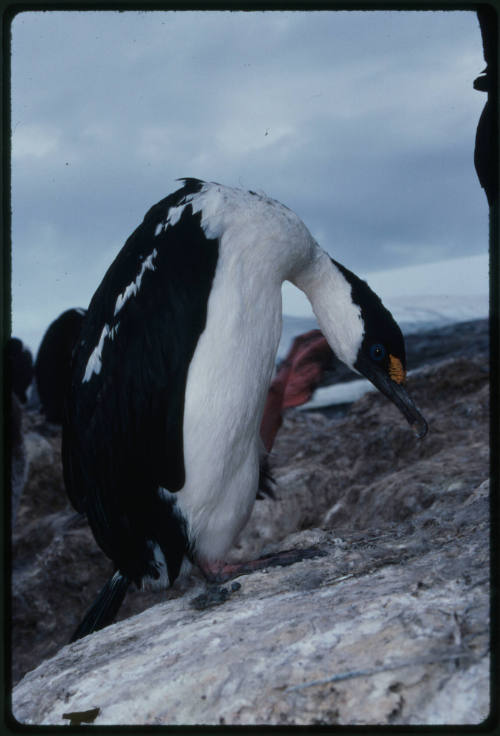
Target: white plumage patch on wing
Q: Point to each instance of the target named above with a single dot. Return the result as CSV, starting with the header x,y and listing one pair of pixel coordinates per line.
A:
x,y
211,201
173,217
149,583
174,213
134,286
94,362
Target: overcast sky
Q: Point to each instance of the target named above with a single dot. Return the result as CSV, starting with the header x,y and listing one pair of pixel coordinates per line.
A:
x,y
361,122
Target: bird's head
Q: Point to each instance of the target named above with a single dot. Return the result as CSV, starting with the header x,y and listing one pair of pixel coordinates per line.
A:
x,y
381,359
380,353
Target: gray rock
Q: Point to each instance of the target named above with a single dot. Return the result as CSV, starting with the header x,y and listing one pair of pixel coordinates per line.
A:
x,y
389,626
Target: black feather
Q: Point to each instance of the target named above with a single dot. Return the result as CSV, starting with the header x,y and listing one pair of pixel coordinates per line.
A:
x,y
266,480
122,435
105,607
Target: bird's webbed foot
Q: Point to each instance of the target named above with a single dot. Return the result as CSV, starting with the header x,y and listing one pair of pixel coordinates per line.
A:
x,y
221,572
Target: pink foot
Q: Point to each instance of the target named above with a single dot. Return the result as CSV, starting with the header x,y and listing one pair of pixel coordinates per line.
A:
x,y
220,572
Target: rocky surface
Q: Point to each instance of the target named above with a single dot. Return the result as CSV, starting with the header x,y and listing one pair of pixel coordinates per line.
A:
x,y
388,624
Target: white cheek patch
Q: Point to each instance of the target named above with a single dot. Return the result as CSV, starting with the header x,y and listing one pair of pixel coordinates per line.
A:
x,y
133,288
338,315
352,333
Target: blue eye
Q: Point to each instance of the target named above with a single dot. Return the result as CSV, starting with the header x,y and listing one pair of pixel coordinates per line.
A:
x,y
377,352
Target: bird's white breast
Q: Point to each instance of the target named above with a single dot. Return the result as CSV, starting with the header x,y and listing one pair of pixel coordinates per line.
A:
x,y
231,369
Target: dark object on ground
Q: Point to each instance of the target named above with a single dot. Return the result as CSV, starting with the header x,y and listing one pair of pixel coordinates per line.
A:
x,y
81,716
53,362
19,367
214,596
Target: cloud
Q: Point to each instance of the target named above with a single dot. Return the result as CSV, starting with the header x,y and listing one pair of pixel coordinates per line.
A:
x,y
362,122
33,141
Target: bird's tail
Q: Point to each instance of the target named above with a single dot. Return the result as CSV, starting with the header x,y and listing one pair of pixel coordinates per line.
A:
x,y
105,607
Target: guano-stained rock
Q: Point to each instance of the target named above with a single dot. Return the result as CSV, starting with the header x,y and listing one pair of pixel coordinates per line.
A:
x,y
390,626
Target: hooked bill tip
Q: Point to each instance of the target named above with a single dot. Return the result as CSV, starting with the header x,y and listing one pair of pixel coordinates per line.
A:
x,y
420,427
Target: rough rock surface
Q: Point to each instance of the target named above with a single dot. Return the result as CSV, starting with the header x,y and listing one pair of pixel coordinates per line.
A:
x,y
389,625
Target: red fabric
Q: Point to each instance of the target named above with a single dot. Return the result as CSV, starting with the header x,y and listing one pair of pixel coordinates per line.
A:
x,y
295,381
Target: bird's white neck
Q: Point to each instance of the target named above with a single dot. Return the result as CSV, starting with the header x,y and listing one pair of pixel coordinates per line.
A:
x,y
330,295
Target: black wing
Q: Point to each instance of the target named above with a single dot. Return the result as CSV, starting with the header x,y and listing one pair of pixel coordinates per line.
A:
x,y
123,427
